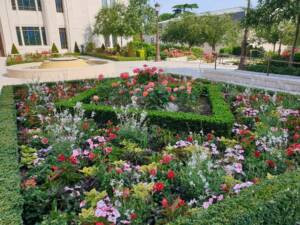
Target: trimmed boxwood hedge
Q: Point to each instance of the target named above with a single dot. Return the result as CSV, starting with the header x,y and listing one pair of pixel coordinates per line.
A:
x,y
220,121
273,202
10,198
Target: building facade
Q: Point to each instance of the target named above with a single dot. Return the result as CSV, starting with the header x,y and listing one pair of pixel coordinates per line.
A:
x,y
34,25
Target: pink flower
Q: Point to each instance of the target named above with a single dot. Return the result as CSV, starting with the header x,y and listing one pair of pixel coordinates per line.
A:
x,y
45,141
151,85
165,82
161,70
124,76
136,70
101,77
108,150
95,98
166,159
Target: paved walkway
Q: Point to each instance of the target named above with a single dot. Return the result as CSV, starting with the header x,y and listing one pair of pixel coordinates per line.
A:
x,y
227,74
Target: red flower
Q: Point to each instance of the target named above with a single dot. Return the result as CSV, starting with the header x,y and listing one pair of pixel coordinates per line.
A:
x,y
165,203
257,154
172,98
108,150
99,223
101,77
124,76
133,216
181,202
73,160
271,163
112,136
92,156
45,141
54,168
296,137
166,159
210,137
145,93
171,175
61,158
190,139
153,172
158,187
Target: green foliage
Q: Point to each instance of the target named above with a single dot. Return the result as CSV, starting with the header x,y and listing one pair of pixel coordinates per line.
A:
x,y
90,47
273,202
54,49
198,52
114,57
166,16
14,50
76,48
131,50
10,199
220,121
28,155
141,53
283,70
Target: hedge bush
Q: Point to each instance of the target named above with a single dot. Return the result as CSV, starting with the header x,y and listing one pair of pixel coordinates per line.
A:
x,y
284,70
10,198
114,57
220,121
273,202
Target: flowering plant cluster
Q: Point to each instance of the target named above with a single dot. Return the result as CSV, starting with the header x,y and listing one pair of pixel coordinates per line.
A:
x,y
76,171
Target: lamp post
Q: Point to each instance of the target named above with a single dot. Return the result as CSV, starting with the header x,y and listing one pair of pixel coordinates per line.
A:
x,y
157,8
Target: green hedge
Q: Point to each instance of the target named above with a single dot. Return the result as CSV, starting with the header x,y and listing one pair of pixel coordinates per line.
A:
x,y
283,70
114,57
273,202
220,121
10,198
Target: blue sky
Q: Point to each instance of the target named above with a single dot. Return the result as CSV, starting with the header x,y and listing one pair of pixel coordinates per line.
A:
x,y
204,5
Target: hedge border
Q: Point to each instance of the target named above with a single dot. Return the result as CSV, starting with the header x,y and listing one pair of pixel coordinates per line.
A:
x,y
273,202
221,120
11,201
114,58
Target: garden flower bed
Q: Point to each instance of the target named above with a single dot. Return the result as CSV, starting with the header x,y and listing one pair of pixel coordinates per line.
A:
x,y
78,169
172,103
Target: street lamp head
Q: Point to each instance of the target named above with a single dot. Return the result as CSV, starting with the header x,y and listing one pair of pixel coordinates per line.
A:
x,y
157,7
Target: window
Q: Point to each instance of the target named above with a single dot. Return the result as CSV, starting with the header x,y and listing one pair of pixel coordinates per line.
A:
x,y
39,5
31,35
63,38
44,36
13,4
26,5
59,6
19,36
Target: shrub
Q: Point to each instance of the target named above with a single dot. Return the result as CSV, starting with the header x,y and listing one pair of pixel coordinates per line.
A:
x,y
54,49
118,48
76,48
283,70
10,198
113,57
14,50
273,202
236,50
131,50
90,47
220,121
227,50
102,48
141,53
198,52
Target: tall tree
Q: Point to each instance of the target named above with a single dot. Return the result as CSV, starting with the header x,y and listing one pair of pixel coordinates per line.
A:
x,y
141,17
270,34
182,8
279,10
245,37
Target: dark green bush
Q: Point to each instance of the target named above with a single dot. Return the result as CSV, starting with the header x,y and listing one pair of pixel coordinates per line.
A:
x,y
236,50
76,48
273,202
14,50
114,57
54,49
220,121
10,198
286,70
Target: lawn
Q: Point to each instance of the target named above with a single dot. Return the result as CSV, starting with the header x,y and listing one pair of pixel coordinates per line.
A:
x,y
152,148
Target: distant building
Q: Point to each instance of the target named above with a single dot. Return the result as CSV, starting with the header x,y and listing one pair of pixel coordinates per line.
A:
x,y
34,25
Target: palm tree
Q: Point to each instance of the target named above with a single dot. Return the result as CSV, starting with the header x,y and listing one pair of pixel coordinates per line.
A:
x,y
245,39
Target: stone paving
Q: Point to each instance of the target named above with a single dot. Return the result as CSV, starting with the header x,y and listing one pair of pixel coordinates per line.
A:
x,y
228,74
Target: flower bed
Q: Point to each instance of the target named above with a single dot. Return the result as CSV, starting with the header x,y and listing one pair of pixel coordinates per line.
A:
x,y
170,102
131,171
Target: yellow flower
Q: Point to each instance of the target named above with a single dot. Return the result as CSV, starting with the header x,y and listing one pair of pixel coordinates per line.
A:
x,y
94,196
142,190
89,171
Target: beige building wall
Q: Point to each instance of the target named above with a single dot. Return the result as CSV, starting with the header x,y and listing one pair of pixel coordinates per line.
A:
x,y
77,18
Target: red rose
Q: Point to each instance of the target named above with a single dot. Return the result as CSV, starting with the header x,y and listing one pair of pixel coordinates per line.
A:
x,y
158,187
54,168
210,137
99,223
181,202
124,76
164,203
153,172
112,136
171,175
296,137
61,158
145,93
92,156
190,139
257,154
133,216
166,159
73,160
271,163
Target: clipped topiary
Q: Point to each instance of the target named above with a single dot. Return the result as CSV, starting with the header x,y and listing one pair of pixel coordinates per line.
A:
x,y
54,49
90,47
118,48
103,48
14,50
76,48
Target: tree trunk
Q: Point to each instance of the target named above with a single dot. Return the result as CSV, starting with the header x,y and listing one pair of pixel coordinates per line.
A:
x,y
245,39
279,49
295,41
213,47
274,47
121,41
142,37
